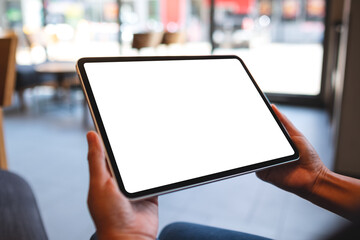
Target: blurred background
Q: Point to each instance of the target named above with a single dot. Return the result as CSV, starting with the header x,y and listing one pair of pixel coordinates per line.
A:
x,y
302,53
260,31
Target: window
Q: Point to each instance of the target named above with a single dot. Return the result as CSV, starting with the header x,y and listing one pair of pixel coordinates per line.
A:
x,y
279,40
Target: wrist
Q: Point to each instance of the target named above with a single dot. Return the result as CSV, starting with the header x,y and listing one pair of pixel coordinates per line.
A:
x,y
337,193
321,178
312,182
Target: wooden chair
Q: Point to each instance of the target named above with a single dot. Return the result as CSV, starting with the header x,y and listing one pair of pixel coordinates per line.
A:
x,y
8,45
173,38
144,40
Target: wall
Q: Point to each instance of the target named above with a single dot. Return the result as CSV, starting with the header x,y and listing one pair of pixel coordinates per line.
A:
x,y
346,119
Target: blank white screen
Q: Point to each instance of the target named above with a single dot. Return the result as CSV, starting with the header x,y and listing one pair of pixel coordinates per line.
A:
x,y
169,121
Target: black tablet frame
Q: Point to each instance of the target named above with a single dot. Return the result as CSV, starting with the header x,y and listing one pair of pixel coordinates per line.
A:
x,y
187,183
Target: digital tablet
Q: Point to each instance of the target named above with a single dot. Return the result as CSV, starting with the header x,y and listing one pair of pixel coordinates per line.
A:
x,y
169,123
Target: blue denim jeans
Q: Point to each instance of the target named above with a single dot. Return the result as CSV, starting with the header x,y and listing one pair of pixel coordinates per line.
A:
x,y
191,231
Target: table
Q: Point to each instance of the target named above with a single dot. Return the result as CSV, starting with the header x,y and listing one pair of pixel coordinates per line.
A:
x,y
62,70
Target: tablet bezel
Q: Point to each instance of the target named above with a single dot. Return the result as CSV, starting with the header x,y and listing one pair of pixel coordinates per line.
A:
x,y
187,183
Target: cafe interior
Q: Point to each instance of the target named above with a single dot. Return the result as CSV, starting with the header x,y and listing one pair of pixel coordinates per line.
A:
x,y
303,54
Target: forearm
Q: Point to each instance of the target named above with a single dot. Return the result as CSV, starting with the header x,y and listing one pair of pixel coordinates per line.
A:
x,y
338,194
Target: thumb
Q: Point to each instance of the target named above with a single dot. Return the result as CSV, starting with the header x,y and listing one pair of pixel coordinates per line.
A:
x,y
292,130
96,158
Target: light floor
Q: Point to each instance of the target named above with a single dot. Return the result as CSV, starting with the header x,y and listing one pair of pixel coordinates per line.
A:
x,y
47,146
